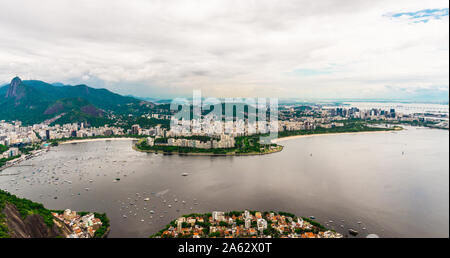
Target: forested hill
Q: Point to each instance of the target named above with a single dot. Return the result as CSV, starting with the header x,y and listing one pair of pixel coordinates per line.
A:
x,y
33,101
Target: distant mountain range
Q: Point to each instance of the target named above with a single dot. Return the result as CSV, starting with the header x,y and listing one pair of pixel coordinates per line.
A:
x,y
33,101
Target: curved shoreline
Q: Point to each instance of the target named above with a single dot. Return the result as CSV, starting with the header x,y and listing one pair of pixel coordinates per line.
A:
x,y
331,134
98,139
205,153
219,154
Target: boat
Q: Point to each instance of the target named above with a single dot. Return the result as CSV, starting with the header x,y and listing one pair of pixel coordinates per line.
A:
x,y
353,232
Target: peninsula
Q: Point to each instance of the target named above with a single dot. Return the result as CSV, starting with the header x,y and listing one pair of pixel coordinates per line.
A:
x,y
225,145
245,224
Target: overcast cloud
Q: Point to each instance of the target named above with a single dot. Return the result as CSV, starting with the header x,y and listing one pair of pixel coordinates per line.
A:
x,y
302,49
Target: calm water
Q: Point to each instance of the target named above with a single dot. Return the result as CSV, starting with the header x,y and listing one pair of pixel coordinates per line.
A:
x,y
395,184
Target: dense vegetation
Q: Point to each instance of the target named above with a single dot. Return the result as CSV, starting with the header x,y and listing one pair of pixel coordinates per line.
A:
x,y
348,127
105,225
25,208
243,145
251,144
4,160
411,123
28,148
37,101
126,122
76,116
3,148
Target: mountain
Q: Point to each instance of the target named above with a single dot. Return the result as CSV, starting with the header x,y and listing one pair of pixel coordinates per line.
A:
x,y
73,104
33,101
22,218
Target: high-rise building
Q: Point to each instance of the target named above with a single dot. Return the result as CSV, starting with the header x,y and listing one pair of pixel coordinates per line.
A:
x,y
392,113
135,129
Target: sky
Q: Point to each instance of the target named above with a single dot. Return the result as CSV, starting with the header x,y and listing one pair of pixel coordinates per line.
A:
x,y
352,49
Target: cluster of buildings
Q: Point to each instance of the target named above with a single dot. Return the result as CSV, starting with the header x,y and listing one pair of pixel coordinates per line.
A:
x,y
15,134
212,126
245,224
307,124
225,141
290,118
156,131
12,134
11,152
77,130
81,226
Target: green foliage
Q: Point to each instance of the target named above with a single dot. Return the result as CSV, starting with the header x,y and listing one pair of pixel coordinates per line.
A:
x,y
4,160
239,222
27,149
223,224
3,148
215,234
26,207
40,101
348,127
315,223
235,213
105,225
244,145
3,227
203,224
286,214
80,117
126,122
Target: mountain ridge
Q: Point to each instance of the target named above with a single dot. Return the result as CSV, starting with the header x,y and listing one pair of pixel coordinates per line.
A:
x,y
33,101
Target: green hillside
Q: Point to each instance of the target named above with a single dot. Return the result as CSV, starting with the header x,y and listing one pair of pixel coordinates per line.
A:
x,y
35,101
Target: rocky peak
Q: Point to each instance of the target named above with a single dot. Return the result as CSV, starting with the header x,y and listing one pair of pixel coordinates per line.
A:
x,y
13,89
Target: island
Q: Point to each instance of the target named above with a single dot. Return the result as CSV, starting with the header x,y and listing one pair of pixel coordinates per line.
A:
x,y
245,224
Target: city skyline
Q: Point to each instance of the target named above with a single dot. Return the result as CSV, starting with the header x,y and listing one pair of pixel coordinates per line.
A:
x,y
294,49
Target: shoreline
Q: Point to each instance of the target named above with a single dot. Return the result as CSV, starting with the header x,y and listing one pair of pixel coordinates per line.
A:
x,y
281,147
205,153
331,134
98,139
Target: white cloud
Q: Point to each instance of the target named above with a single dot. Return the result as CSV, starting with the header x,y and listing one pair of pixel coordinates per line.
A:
x,y
226,48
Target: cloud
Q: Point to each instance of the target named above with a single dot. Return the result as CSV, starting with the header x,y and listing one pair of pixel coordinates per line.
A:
x,y
311,72
152,48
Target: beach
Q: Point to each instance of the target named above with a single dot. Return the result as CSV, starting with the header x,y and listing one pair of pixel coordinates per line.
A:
x,y
323,134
